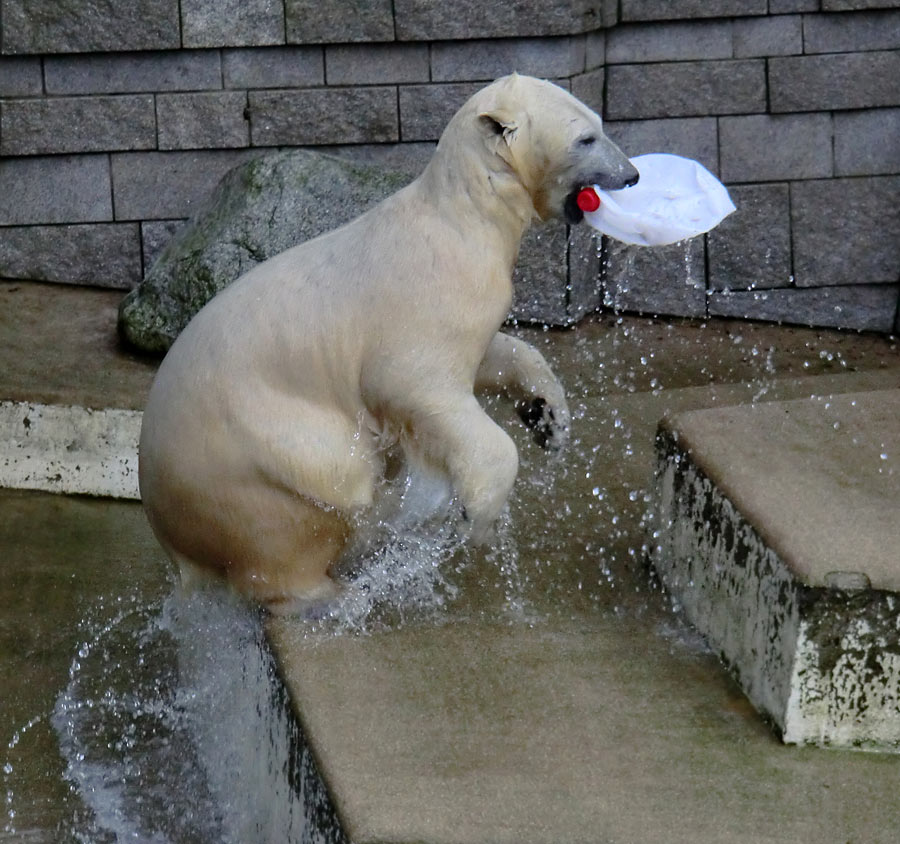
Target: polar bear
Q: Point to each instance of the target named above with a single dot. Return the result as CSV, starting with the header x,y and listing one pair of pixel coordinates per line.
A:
x,y
280,410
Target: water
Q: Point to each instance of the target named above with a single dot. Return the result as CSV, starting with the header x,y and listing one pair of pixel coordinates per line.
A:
x,y
173,726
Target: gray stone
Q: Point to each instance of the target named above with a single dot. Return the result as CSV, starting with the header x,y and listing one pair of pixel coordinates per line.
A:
x,y
781,7
751,248
122,73
836,81
323,116
585,287
417,21
232,23
863,307
166,185
595,50
20,77
691,137
82,26
155,236
665,42
102,255
770,36
846,231
77,124
426,109
668,280
842,33
461,61
649,10
58,189
540,277
376,64
867,143
588,87
207,120
273,67
854,5
259,209
685,89
763,148
312,22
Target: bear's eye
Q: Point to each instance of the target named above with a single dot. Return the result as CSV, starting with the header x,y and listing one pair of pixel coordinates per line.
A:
x,y
587,140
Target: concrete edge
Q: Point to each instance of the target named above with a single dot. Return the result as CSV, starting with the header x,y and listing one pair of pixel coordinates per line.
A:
x,y
69,449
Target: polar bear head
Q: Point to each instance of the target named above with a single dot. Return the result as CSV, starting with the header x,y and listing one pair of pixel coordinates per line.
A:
x,y
550,141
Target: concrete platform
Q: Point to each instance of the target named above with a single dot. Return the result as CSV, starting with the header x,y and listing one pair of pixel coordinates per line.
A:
x,y
779,535
554,697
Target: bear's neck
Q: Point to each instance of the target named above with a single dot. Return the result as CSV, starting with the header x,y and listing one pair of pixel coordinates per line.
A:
x,y
465,174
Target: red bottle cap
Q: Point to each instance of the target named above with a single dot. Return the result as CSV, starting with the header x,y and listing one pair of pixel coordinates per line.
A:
x,y
587,200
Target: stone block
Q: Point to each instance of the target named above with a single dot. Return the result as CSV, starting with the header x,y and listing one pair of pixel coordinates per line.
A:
x,y
588,87
155,237
772,148
685,89
312,22
20,77
692,137
99,254
861,307
595,49
867,143
846,231
668,280
780,35
77,124
376,64
167,185
417,21
843,33
273,67
69,449
426,109
856,5
651,10
232,23
324,116
83,26
781,7
751,248
56,189
548,58
541,276
122,73
208,120
778,537
835,81
669,42
585,288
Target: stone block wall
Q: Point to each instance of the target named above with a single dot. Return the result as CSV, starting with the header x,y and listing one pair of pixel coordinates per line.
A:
x,y
117,119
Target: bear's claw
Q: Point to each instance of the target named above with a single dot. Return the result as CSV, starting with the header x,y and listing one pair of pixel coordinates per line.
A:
x,y
539,417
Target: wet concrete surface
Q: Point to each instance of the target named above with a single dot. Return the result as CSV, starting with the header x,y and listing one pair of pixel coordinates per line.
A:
x,y
553,697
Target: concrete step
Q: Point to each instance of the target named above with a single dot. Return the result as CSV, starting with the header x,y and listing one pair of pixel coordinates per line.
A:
x,y
779,536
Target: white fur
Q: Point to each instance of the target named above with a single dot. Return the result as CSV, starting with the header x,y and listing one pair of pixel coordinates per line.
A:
x,y
276,414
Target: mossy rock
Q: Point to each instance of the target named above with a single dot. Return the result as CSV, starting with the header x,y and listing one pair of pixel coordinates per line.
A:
x,y
259,209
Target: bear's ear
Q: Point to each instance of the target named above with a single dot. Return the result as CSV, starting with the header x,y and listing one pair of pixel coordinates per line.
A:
x,y
499,123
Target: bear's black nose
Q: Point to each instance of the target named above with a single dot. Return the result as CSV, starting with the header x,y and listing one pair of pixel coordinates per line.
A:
x,y
633,180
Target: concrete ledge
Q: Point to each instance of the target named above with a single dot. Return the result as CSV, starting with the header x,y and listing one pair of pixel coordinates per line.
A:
x,y
778,536
69,449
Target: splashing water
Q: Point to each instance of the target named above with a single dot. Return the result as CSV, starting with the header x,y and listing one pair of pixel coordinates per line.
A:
x,y
174,728
162,701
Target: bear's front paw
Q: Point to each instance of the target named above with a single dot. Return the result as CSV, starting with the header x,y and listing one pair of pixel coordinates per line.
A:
x,y
549,428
